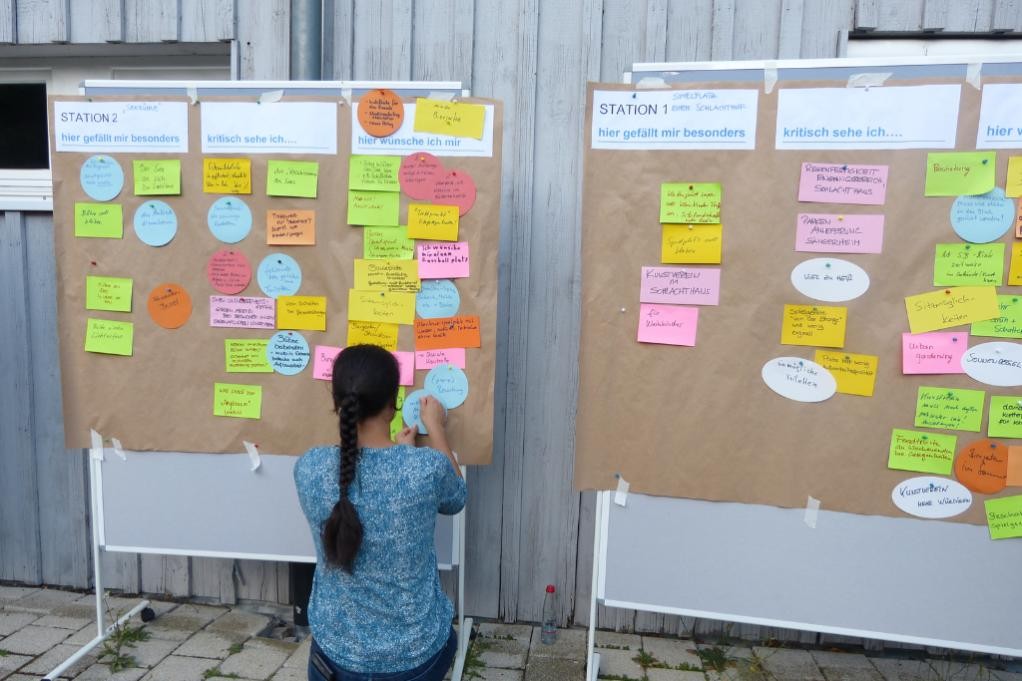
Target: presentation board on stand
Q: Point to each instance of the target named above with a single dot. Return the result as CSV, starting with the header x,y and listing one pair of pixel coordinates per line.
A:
x,y
823,257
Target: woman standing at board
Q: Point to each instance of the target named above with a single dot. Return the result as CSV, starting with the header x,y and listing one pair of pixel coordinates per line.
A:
x,y
377,610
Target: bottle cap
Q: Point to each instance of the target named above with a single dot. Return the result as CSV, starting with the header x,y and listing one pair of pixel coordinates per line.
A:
x,y
550,588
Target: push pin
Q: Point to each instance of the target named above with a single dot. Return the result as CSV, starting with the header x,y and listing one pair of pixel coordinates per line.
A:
x,y
622,309
840,218
947,291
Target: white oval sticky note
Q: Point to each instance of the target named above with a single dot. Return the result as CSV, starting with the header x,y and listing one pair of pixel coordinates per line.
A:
x,y
101,177
279,275
410,410
449,384
229,219
155,223
799,379
437,298
931,497
982,218
830,279
997,363
287,352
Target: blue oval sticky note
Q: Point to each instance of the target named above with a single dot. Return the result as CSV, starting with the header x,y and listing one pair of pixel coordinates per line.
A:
x,y
287,352
982,218
437,298
449,384
410,410
155,223
230,219
279,275
102,178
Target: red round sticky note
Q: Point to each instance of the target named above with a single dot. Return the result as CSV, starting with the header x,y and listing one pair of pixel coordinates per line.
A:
x,y
982,466
380,112
456,188
170,306
419,172
228,271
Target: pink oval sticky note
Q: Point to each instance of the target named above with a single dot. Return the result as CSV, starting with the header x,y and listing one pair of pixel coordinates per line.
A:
x,y
228,271
418,174
456,188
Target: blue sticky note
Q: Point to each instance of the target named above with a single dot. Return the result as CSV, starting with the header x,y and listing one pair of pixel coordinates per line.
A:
x,y
437,298
102,178
410,410
449,384
279,275
155,223
229,219
287,352
983,218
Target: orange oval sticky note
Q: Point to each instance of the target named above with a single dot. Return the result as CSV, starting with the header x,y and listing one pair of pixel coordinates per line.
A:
x,y
982,466
170,305
380,112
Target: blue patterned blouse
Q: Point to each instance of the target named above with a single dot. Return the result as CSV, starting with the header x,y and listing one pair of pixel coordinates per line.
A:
x,y
390,615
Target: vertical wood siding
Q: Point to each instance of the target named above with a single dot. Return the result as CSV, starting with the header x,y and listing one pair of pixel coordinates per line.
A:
x,y
526,526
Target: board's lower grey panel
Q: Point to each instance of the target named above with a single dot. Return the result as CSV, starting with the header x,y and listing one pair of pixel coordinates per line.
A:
x,y
214,503
893,578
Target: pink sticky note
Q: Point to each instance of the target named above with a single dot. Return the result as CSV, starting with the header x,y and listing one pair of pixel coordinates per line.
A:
x,y
442,260
843,183
827,233
323,361
242,312
933,353
406,364
668,324
427,359
680,285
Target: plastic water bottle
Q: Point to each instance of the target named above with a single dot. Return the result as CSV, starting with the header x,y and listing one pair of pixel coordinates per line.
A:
x,y
548,634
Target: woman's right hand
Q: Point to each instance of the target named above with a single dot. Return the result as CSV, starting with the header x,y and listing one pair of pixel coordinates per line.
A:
x,y
432,414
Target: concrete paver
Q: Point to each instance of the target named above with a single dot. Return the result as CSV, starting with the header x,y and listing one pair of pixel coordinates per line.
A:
x,y
13,593
254,662
239,622
673,675
614,639
570,644
554,668
10,622
893,669
619,663
12,663
62,622
300,657
183,621
500,675
518,632
673,652
45,600
210,644
845,666
33,640
500,652
55,656
788,663
101,672
180,668
149,653
290,674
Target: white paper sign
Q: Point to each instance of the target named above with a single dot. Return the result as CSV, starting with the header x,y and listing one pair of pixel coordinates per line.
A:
x,y
406,140
997,363
931,497
799,379
830,279
999,125
273,128
151,127
674,119
917,117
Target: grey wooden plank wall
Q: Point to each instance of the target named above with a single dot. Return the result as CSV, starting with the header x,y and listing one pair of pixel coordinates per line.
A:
x,y
527,527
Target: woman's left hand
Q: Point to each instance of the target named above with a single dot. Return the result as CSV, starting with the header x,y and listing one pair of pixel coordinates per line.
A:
x,y
407,435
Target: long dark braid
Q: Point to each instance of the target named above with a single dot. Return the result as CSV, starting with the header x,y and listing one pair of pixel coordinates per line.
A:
x,y
365,382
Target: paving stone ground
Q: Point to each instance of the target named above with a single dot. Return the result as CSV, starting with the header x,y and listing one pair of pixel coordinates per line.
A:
x,y
40,628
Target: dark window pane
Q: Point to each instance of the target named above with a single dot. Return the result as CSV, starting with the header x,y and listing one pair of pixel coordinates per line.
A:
x,y
24,142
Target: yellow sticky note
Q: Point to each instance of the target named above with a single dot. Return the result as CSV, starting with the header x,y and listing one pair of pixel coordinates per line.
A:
x,y
1015,266
291,227
958,173
691,244
951,307
383,334
437,223
237,401
821,325
301,313
104,220
381,306
449,118
855,374
292,178
108,337
227,176
157,178
387,275
108,293
246,356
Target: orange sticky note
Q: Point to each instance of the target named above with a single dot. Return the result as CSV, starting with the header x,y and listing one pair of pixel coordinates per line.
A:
x,y
447,332
1014,478
291,227
437,223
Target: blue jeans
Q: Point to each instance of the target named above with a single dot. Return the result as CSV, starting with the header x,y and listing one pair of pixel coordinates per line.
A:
x,y
432,669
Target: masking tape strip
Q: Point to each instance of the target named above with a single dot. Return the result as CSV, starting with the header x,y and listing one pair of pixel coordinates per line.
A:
x,y
974,75
193,94
868,80
96,451
271,96
812,511
346,95
769,78
1014,478
651,83
253,455
118,450
621,493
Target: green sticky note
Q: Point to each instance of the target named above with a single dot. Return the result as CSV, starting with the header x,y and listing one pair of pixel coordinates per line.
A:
x,y
104,220
387,243
157,178
237,401
1005,416
1008,325
958,173
921,452
292,178
246,356
968,265
1004,517
690,203
108,337
374,173
108,293
397,423
950,409
373,208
